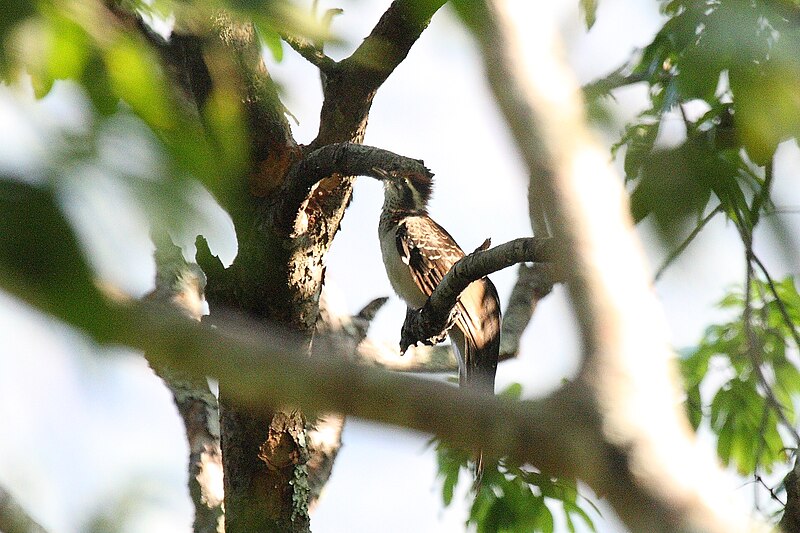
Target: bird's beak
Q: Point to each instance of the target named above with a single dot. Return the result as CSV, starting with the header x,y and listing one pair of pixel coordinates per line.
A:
x,y
382,174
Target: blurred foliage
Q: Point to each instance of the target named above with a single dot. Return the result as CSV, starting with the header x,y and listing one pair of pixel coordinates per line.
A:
x,y
84,42
42,263
762,385
737,61
728,70
512,498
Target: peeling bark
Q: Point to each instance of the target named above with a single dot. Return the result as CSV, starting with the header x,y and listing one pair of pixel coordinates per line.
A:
x,y
181,285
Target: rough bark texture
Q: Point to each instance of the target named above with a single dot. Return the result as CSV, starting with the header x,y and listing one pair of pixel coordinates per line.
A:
x,y
790,521
264,451
278,273
181,285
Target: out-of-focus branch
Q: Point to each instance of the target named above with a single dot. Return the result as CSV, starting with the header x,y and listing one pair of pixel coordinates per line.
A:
x,y
13,518
259,368
533,283
637,448
417,359
428,322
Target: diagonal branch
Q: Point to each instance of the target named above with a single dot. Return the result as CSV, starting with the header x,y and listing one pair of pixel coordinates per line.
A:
x,y
686,242
429,321
310,52
351,87
644,459
13,518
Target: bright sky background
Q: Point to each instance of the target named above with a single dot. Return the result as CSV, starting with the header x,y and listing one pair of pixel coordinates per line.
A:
x,y
87,435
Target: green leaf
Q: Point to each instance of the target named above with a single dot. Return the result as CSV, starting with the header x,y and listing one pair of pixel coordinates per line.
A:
x,y
272,40
42,263
512,392
572,509
136,78
544,520
589,10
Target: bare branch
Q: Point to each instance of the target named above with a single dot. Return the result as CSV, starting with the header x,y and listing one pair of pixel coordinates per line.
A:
x,y
181,285
430,321
350,89
324,443
310,52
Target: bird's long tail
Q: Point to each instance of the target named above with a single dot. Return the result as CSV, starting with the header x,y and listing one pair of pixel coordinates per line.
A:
x,y
477,341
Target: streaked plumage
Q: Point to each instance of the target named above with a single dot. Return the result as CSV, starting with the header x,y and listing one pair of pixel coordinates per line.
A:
x,y
417,253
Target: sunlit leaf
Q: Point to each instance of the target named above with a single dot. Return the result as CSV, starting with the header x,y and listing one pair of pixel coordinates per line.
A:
x,y
136,78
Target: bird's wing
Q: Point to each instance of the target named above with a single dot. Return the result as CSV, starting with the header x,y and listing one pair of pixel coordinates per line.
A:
x,y
428,250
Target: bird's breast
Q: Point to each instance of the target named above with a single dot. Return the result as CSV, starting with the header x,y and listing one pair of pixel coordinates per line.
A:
x,y
399,272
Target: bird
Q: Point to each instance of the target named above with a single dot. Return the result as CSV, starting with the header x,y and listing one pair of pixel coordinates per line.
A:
x,y
417,253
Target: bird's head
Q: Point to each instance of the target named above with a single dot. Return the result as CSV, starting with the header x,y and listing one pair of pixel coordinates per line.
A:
x,y
406,191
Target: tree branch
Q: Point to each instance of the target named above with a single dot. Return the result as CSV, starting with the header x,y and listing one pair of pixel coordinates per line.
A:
x,y
432,319
790,521
533,283
259,368
13,518
344,159
640,446
350,89
310,52
348,94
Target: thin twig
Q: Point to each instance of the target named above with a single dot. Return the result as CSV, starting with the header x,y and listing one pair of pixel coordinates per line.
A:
x,y
310,52
763,198
771,491
781,306
752,342
679,250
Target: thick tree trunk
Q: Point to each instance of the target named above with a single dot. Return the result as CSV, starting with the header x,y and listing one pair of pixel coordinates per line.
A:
x,y
277,276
